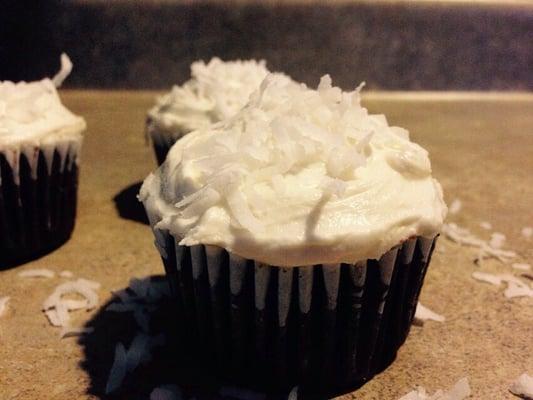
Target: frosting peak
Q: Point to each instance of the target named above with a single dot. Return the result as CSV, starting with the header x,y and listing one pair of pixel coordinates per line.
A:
x,y
297,177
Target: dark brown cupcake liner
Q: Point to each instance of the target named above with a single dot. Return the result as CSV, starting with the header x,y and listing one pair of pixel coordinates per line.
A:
x,y
325,328
37,204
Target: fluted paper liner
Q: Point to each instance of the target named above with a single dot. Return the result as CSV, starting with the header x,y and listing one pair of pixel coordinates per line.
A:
x,y
38,195
326,328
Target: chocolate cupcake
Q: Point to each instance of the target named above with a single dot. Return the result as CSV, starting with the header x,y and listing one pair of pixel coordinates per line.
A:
x,y
216,91
39,144
296,237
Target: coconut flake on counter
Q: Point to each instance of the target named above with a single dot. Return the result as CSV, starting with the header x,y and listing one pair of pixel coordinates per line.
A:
x,y
67,332
486,225
37,273
522,386
127,360
521,266
488,278
166,392
118,369
497,240
56,308
3,304
423,313
293,395
464,237
517,289
515,286
527,232
461,390
455,207
66,274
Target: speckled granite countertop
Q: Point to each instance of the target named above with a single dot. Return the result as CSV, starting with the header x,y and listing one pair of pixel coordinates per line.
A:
x,y
480,147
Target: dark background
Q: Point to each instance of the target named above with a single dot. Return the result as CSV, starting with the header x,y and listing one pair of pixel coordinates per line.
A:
x,y
390,45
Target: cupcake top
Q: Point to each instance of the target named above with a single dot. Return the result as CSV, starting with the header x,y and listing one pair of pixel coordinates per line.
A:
x,y
31,113
217,90
297,177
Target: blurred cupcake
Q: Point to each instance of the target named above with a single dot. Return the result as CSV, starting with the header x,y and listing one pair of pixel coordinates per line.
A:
x,y
39,145
216,91
296,237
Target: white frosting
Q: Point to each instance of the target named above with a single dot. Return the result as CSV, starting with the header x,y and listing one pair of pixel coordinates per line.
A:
x,y
217,90
298,177
32,118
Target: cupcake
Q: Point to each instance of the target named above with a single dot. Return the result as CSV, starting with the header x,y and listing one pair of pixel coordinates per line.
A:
x,y
216,91
296,236
39,145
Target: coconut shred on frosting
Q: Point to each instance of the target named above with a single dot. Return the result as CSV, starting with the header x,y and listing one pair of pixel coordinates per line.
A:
x,y
32,116
216,91
297,177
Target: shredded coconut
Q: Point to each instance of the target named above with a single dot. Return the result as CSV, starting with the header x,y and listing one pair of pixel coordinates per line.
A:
x,y
522,386
518,289
515,287
56,307
455,207
3,304
137,351
67,332
166,392
459,391
527,232
497,240
37,273
118,370
486,249
293,395
66,274
521,266
423,313
486,225
486,277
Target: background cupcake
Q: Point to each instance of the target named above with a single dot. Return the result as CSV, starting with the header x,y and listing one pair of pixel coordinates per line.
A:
x,y
39,145
216,91
296,237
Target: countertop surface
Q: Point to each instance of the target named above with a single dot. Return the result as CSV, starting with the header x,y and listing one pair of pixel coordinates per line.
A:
x,y
481,151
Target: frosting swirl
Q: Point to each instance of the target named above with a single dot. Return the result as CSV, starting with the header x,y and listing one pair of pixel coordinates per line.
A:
x,y
297,177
